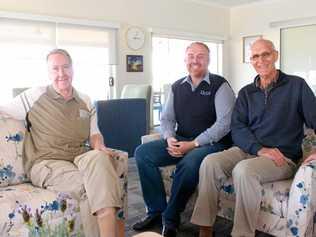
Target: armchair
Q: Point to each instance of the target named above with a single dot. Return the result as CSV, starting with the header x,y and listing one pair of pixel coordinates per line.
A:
x,y
139,91
122,122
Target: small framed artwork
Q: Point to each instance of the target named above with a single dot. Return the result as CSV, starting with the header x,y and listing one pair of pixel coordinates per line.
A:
x,y
134,63
247,42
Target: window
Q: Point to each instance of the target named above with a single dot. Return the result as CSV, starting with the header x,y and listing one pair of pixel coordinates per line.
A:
x,y
298,52
25,43
168,60
169,66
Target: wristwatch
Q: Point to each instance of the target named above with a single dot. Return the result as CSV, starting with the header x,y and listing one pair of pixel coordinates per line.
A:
x,y
196,144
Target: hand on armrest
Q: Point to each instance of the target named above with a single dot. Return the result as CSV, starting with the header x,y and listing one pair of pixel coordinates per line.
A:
x,y
96,141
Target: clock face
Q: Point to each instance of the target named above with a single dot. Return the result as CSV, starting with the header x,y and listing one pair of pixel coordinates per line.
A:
x,y
135,38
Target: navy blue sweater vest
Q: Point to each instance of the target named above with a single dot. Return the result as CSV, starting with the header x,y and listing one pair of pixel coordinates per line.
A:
x,y
195,110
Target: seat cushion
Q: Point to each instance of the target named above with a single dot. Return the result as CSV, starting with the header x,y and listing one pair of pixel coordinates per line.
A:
x,y
28,211
11,144
275,195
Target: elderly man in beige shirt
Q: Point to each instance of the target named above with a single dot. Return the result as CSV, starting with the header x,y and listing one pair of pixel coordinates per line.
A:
x,y
60,122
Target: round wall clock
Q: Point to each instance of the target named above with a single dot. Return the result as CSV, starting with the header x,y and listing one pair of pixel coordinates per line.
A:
x,y
135,38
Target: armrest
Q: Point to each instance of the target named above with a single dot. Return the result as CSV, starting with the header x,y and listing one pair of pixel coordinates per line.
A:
x,y
304,182
120,163
301,205
150,137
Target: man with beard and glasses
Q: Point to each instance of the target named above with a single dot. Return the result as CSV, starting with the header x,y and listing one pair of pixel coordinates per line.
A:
x,y
195,122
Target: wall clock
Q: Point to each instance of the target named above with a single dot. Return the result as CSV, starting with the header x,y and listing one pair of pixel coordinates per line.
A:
x,y
135,38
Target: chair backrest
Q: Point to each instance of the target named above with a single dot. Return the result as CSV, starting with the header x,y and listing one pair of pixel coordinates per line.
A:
x,y
136,91
140,91
122,123
18,90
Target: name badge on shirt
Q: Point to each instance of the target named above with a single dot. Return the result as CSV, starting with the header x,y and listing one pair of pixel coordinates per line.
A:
x,y
84,113
205,93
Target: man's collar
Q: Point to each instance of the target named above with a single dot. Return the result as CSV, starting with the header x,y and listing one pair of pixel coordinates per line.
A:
x,y
281,80
53,93
206,78
271,85
75,95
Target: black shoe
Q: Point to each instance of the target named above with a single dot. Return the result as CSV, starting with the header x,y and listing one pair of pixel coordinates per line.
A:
x,y
169,232
147,222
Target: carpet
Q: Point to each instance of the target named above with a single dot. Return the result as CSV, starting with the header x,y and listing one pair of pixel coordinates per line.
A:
x,y
136,210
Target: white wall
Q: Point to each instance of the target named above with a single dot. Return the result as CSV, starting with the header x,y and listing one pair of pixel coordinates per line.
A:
x,y
176,15
255,19
181,16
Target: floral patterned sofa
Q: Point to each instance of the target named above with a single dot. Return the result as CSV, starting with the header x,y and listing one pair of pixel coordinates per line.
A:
x,y
275,203
31,211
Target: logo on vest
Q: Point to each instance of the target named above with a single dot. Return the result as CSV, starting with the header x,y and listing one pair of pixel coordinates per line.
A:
x,y
205,93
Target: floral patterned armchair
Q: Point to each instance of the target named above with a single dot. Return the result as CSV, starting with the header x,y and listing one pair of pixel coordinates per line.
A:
x,y
287,207
31,211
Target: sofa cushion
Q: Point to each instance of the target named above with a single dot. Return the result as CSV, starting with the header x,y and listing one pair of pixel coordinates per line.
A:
x,y
30,211
11,142
275,195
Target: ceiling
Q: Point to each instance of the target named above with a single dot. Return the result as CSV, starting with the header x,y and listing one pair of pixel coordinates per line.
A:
x,y
228,3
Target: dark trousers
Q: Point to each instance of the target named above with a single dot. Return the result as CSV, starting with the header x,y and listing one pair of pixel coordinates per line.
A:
x,y
149,157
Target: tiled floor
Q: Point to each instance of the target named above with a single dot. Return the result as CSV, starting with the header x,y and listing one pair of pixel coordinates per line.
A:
x,y
136,210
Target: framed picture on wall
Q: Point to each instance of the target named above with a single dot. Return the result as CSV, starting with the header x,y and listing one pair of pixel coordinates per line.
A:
x,y
134,63
246,42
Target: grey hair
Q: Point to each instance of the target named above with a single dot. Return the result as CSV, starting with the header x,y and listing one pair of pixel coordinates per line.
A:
x,y
60,51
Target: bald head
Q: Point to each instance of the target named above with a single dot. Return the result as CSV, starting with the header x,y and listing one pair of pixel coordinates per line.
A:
x,y
263,42
263,58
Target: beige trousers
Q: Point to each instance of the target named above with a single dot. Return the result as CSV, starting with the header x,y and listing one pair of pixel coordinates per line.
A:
x,y
91,179
249,173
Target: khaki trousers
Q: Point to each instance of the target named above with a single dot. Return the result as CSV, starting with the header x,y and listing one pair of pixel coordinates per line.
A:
x,y
249,173
91,179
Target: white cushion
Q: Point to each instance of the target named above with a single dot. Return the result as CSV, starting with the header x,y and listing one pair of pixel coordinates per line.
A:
x,y
11,143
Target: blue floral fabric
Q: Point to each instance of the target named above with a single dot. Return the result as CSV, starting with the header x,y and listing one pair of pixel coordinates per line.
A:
x,y
11,143
31,211
301,216
288,207
275,217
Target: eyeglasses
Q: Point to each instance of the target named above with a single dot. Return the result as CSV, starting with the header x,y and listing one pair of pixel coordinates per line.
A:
x,y
264,56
